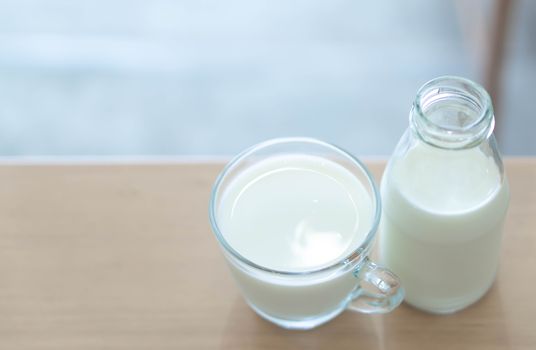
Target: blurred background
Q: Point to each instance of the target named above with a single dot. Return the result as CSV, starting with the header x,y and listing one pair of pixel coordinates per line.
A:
x,y
194,77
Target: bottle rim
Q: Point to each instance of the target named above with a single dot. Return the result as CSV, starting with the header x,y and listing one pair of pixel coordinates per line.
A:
x,y
472,123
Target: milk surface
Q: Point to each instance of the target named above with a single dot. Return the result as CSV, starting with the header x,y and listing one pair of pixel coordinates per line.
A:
x,y
441,225
295,213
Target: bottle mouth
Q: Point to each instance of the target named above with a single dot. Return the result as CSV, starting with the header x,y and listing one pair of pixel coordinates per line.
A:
x,y
452,112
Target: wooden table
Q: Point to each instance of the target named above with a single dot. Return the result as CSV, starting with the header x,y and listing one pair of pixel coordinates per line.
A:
x,y
122,257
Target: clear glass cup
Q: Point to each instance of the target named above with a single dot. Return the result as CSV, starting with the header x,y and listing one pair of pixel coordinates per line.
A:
x,y
308,298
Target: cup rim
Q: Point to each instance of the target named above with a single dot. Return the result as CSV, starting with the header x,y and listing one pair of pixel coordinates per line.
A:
x,y
356,255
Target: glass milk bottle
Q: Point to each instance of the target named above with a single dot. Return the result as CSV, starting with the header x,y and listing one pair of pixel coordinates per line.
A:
x,y
445,197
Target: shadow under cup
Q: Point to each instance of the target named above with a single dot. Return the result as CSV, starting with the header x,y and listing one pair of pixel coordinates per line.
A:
x,y
303,299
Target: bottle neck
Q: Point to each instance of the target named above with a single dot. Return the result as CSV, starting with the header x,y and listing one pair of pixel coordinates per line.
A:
x,y
452,113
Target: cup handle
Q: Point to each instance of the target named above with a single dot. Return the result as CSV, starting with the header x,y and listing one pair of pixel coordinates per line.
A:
x,y
379,290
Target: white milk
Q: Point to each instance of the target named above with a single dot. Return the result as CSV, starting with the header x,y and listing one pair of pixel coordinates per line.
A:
x,y
295,213
441,225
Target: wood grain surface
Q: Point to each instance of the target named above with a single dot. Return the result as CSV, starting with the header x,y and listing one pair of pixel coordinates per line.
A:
x,y
122,257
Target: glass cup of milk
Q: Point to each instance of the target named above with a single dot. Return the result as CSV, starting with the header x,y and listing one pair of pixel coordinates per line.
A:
x,y
296,220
